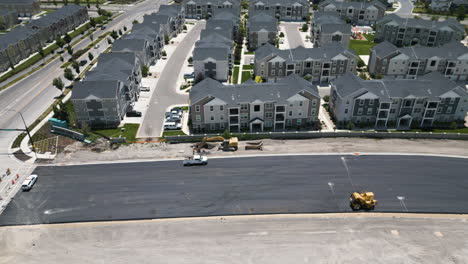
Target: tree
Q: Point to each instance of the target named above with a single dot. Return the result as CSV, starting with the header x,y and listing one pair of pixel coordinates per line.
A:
x,y
120,32
125,28
55,3
361,63
190,60
350,126
68,74
77,2
281,35
453,125
245,4
435,18
305,27
84,128
135,21
90,56
109,41
461,13
58,83
363,76
69,50
92,22
59,42
61,59
184,27
67,38
227,134
144,70
76,66
88,4
41,52
114,34
65,2
166,39
163,53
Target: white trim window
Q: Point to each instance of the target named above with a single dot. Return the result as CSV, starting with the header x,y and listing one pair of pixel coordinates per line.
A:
x,y
213,126
197,117
211,108
197,108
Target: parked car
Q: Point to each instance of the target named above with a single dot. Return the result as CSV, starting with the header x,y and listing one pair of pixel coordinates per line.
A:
x,y
252,61
103,27
29,182
177,111
97,47
189,75
133,113
175,119
172,126
196,160
83,62
144,89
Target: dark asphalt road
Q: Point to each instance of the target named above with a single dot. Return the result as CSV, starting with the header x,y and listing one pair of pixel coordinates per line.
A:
x,y
289,184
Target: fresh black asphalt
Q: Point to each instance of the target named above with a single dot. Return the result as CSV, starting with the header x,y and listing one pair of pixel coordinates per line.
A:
x,y
260,185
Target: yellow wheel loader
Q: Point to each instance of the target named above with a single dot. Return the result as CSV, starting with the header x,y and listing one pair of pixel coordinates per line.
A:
x,y
362,201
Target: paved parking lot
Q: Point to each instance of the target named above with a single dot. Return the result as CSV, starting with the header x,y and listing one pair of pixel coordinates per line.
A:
x,y
262,185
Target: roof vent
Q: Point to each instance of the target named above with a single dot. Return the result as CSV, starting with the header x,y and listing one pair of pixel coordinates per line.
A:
x,y
429,91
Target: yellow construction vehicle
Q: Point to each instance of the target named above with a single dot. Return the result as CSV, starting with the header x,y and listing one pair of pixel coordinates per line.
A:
x,y
230,144
362,201
213,139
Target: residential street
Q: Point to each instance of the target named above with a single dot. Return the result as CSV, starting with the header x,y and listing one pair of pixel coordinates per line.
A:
x,y
406,9
292,33
165,94
283,184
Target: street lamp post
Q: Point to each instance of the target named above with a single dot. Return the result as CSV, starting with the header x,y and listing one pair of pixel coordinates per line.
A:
x,y
26,129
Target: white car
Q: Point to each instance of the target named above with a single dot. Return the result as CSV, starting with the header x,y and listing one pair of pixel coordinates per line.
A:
x,y
29,182
172,125
96,47
196,160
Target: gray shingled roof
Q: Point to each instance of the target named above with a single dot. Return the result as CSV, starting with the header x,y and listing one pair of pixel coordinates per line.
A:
x,y
129,45
262,21
222,32
226,14
171,10
214,2
280,2
17,34
214,38
5,12
56,16
100,89
211,51
251,91
301,53
450,50
330,22
113,66
355,4
422,23
430,85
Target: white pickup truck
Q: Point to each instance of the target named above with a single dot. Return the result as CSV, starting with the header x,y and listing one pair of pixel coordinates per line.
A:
x,y
196,160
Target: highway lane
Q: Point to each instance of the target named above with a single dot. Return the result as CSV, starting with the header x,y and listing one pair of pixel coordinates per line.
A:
x,y
34,94
261,185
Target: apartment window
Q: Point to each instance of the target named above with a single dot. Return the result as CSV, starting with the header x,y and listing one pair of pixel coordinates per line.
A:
x,y
244,116
290,113
347,102
314,102
299,122
268,123
359,112
221,117
308,64
221,108
417,110
244,106
449,110
433,63
289,122
212,118
299,113
273,72
197,108
346,111
361,102
280,72
312,112
371,102
392,111
198,117
408,103
211,108
452,100
268,114
301,103
268,106
221,125
256,108
369,111
439,110
212,126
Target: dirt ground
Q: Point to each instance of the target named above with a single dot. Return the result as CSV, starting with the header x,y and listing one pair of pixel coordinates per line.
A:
x,y
78,153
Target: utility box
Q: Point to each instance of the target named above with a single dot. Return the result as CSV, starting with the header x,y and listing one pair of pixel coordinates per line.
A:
x,y
58,123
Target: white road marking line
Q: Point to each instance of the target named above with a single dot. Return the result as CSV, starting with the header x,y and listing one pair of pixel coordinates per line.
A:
x,y
402,202
263,233
320,232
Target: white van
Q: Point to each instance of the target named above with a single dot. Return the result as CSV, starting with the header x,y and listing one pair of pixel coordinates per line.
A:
x,y
29,182
172,125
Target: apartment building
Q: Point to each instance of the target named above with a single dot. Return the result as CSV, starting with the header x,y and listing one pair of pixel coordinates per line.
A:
x,y
429,101
24,8
213,57
262,28
321,64
328,27
447,5
22,42
140,47
119,73
355,12
411,31
285,10
291,103
204,9
8,18
451,60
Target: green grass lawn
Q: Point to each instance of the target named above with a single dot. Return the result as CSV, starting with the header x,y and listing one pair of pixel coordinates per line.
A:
x,y
361,47
129,133
247,67
458,130
235,75
369,37
246,76
249,53
171,133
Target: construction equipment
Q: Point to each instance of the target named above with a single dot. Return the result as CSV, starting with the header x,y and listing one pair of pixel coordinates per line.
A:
x,y
362,201
254,145
213,139
230,144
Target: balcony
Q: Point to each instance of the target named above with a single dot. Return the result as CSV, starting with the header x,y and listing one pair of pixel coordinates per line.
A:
x,y
233,111
234,120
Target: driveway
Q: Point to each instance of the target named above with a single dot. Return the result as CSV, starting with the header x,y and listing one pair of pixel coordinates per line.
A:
x,y
165,94
292,33
233,186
